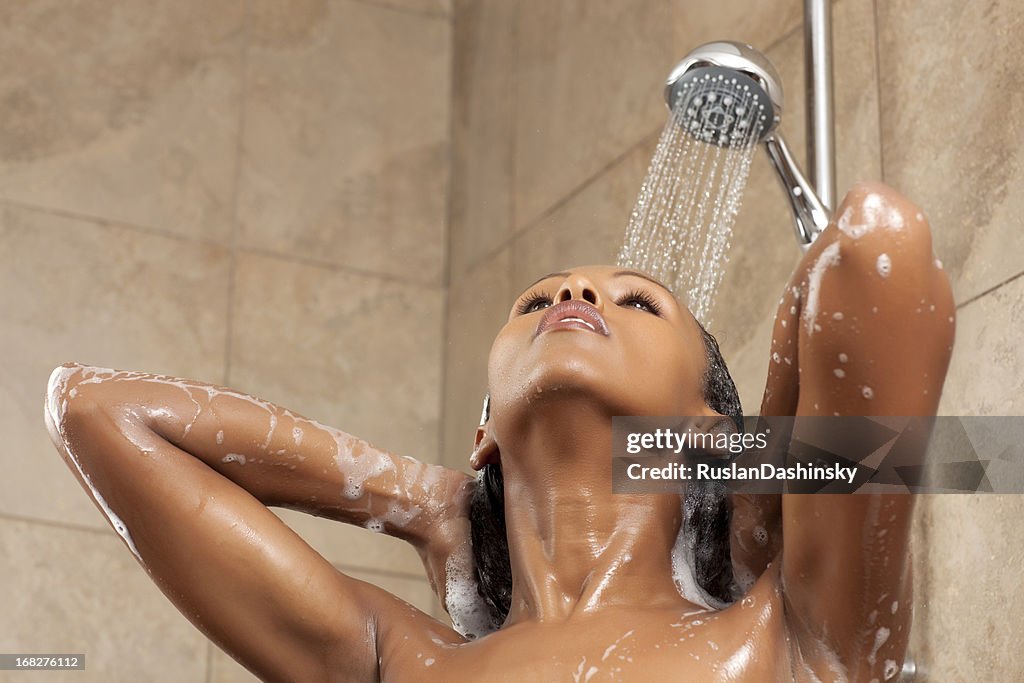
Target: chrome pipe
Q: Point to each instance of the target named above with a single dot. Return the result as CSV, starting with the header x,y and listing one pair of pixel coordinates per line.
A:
x,y
810,215
821,150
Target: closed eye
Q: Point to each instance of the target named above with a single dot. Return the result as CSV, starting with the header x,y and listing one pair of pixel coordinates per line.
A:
x,y
641,300
532,302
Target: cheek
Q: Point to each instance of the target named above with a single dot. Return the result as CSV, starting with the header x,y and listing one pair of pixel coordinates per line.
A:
x,y
503,373
671,377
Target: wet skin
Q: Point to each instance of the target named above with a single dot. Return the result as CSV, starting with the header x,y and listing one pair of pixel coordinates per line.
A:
x,y
187,470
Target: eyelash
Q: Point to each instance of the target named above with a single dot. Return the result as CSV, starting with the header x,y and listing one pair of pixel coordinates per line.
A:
x,y
536,296
644,298
529,299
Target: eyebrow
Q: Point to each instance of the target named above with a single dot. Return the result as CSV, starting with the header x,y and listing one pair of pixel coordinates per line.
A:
x,y
618,273
545,277
636,273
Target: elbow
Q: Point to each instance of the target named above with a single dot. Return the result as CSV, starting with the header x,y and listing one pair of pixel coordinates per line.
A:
x,y
58,393
883,234
65,404
885,245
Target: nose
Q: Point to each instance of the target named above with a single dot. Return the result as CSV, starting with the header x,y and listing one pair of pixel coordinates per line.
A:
x,y
579,287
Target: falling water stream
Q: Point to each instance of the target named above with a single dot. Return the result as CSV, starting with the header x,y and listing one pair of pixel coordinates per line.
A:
x,y
681,224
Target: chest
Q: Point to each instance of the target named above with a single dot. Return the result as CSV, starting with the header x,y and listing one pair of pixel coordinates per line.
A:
x,y
745,642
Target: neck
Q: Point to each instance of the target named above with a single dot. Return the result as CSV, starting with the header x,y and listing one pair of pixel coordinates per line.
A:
x,y
574,546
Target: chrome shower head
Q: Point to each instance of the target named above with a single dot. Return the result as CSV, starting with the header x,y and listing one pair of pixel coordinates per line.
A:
x,y
725,92
729,94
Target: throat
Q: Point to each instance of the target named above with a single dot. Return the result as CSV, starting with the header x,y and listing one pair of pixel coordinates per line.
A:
x,y
583,552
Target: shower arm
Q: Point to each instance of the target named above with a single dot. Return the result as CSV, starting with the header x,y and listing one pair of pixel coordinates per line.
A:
x,y
810,215
812,199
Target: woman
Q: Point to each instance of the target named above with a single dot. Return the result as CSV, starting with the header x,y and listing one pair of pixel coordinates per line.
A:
x,y
185,472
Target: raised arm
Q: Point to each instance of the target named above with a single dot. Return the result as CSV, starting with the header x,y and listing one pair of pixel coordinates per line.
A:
x,y
184,472
866,328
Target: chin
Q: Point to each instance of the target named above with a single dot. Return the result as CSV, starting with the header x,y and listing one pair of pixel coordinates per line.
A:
x,y
611,391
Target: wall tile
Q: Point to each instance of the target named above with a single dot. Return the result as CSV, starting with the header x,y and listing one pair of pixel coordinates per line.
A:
x,y
126,111
953,129
83,592
483,123
224,669
590,78
346,139
478,306
99,294
967,600
357,352
589,227
434,8
758,24
352,546
986,373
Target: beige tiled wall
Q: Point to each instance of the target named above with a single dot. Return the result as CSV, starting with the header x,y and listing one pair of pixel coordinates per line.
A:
x,y
952,118
259,194
556,110
250,193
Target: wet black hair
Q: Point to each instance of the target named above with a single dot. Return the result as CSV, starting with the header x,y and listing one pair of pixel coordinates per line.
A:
x,y
706,512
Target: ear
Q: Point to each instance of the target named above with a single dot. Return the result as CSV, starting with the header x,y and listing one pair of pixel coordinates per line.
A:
x,y
485,449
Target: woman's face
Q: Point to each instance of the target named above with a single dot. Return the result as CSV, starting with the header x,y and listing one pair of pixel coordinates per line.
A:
x,y
603,334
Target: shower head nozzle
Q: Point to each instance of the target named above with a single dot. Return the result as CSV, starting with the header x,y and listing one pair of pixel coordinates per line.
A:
x,y
725,93
729,94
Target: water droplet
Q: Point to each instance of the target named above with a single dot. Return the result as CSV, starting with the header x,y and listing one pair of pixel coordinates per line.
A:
x,y
883,265
839,372
867,392
837,315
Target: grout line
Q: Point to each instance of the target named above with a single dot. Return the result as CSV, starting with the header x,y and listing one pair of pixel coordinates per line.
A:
x,y
565,199
109,222
878,87
236,198
786,35
158,232
70,526
339,268
446,256
513,138
988,291
56,524
428,14
921,608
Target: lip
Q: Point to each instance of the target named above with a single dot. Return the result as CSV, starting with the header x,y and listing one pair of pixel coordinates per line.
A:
x,y
573,314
